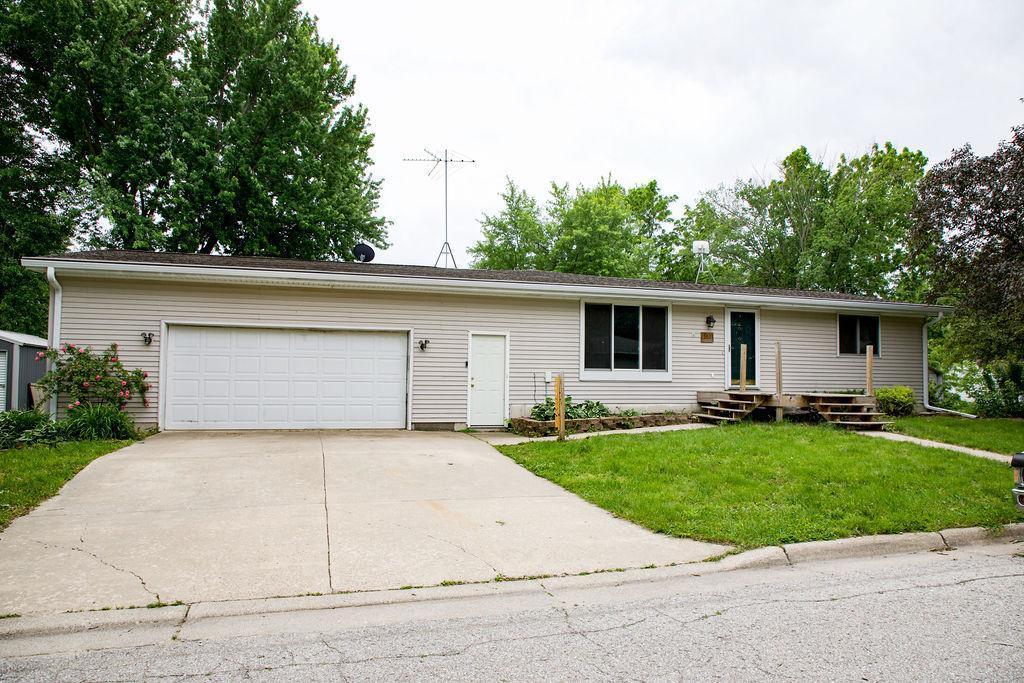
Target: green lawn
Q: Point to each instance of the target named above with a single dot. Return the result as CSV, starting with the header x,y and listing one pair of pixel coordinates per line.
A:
x,y
999,435
28,476
763,484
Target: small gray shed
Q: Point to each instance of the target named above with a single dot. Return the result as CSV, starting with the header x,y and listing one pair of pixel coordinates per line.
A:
x,y
19,368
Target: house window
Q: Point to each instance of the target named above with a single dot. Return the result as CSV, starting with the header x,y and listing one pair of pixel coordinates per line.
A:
x,y
625,337
857,332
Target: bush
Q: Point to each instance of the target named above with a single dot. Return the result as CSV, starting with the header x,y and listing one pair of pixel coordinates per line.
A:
x,y
1000,392
573,411
14,423
90,422
92,379
896,401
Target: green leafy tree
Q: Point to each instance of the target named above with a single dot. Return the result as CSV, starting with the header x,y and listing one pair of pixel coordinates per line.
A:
x,y
272,158
516,238
35,217
225,126
602,230
839,229
969,223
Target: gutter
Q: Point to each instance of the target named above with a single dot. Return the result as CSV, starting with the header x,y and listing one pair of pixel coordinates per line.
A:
x,y
469,286
54,340
924,362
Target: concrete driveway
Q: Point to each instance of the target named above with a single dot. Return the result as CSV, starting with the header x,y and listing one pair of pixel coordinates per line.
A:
x,y
222,516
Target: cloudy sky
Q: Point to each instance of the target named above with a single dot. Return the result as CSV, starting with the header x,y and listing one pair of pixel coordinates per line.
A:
x,y
690,94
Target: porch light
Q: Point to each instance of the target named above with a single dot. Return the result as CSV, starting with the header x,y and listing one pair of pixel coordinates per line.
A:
x,y
710,321
147,338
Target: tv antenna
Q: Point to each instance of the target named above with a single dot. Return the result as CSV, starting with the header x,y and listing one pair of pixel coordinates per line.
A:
x,y
702,250
442,161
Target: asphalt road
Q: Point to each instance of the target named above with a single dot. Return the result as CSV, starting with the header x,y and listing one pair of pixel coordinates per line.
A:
x,y
955,615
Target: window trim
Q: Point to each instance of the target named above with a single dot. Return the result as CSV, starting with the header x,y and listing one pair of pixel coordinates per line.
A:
x,y
639,375
858,316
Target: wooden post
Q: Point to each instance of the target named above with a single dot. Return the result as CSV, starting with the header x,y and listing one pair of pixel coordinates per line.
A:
x,y
560,406
778,381
743,367
870,385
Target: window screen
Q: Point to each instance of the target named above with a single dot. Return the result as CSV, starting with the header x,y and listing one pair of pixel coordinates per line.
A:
x,y
857,332
597,337
654,338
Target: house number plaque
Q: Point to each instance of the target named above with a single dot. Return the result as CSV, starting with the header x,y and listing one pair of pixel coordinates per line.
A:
x,y
707,337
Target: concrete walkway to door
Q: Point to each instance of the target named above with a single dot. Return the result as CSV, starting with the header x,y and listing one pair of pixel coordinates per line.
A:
x,y
233,515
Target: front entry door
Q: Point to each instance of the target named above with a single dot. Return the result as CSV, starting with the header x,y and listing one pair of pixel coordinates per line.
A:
x,y
742,330
487,380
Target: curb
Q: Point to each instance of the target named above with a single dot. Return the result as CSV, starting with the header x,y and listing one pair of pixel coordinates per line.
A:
x,y
171,618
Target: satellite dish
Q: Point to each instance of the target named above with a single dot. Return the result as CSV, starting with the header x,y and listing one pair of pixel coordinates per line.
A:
x,y
701,247
363,253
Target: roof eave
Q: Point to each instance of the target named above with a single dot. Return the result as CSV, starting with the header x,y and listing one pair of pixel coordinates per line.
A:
x,y
466,286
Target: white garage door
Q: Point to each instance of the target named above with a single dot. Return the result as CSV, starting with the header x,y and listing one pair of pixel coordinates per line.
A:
x,y
240,378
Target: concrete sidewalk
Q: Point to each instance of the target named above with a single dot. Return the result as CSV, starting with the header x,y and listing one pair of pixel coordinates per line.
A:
x,y
510,439
895,436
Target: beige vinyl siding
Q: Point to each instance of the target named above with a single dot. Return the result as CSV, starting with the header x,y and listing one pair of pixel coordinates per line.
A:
x,y
811,359
544,334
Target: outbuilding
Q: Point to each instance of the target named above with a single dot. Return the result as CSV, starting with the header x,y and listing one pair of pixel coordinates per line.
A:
x,y
235,342
19,368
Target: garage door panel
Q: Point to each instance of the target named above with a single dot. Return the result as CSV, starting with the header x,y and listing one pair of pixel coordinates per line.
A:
x,y
285,379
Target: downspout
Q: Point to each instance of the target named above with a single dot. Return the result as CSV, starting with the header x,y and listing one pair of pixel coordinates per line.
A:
x,y
924,361
55,308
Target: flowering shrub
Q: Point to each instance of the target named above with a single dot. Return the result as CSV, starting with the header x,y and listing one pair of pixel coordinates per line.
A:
x,y
86,378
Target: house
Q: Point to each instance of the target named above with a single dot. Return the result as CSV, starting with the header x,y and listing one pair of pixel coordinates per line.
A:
x,y
238,342
19,368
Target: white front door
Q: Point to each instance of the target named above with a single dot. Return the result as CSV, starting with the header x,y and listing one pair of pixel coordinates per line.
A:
x,y
249,378
487,380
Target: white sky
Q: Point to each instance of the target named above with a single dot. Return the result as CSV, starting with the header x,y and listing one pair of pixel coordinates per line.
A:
x,y
690,94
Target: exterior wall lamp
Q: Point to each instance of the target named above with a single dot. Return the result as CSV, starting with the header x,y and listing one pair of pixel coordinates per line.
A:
x,y
423,344
147,338
710,321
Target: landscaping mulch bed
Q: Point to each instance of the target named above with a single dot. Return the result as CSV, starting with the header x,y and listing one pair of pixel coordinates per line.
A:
x,y
527,427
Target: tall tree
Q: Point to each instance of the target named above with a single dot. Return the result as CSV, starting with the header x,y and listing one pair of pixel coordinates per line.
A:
x,y
273,156
606,229
35,217
840,229
224,126
970,221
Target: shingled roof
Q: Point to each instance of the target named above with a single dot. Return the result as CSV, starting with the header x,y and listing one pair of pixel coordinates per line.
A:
x,y
469,274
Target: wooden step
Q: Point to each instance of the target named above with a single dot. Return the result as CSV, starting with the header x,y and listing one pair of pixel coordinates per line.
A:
x,y
843,405
739,402
866,413
861,425
716,418
728,410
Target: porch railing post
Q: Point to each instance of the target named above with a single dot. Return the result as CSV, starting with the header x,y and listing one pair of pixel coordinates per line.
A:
x,y
778,381
870,383
743,367
560,406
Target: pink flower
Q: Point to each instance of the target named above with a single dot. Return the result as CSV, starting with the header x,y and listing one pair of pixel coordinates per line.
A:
x,y
97,376
70,406
39,355
78,403
85,385
145,374
114,359
123,383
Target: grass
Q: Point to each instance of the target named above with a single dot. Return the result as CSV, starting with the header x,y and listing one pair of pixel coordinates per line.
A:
x,y
999,435
754,485
28,476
